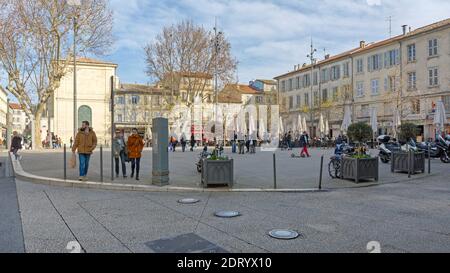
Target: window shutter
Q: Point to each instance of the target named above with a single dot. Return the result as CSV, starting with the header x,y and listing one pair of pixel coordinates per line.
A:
x,y
369,64
386,84
380,61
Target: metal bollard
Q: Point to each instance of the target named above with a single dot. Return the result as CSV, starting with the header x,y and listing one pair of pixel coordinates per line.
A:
x,y
429,158
274,171
321,172
409,163
65,162
101,163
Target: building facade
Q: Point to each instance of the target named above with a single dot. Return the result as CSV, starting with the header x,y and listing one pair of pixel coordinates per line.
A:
x,y
19,119
3,115
408,73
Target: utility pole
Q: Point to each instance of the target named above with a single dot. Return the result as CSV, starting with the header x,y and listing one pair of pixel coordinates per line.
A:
x,y
8,126
389,19
75,4
216,54
311,58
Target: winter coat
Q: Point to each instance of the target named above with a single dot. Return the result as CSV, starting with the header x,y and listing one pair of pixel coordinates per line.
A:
x,y
304,140
118,146
135,145
85,143
16,142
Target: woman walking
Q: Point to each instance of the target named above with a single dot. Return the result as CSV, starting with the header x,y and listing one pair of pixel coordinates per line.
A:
x,y
16,145
119,154
135,145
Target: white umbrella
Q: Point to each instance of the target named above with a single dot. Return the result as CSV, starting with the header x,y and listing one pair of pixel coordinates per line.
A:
x,y
299,124
374,119
347,119
280,126
252,128
440,117
321,125
305,127
262,128
327,127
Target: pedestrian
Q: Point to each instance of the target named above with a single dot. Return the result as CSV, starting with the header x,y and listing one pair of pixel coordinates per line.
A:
x,y
16,145
289,141
71,142
233,143
85,143
304,140
183,142
192,142
135,146
119,149
241,143
247,143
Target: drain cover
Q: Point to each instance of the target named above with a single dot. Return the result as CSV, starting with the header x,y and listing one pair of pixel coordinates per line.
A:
x,y
283,234
188,201
227,214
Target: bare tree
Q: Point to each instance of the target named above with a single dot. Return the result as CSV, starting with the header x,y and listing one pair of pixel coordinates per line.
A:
x,y
35,47
185,57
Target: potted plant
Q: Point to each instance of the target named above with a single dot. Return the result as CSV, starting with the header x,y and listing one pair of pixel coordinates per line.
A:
x,y
360,166
408,159
217,170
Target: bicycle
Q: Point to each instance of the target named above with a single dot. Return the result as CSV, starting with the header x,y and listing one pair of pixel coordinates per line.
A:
x,y
335,165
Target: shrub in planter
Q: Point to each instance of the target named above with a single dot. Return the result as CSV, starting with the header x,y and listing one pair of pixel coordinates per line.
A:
x,y
360,132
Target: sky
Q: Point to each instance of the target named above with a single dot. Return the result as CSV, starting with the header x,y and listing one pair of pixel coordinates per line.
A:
x,y
267,37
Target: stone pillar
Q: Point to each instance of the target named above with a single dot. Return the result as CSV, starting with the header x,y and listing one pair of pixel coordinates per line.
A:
x,y
160,132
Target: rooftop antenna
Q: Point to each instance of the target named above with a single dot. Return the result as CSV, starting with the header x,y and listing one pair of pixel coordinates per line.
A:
x,y
389,19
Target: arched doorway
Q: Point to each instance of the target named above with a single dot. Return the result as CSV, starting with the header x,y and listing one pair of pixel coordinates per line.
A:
x,y
84,113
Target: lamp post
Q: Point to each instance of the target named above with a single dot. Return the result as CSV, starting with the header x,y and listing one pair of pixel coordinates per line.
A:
x,y
75,4
311,58
216,54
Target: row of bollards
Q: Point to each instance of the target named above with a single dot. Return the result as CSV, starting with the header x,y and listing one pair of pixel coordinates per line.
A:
x,y
65,162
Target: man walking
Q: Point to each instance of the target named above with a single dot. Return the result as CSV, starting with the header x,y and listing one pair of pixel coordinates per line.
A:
x,y
85,143
183,142
16,145
119,153
304,140
135,146
192,142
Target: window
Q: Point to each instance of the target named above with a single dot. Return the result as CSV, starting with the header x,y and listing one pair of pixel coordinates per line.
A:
x,y
307,99
306,80
291,84
135,99
316,98
324,76
283,86
346,68
390,83
391,58
259,99
412,53
298,100
433,77
375,87
446,100
360,66
335,94
365,110
291,102
298,83
324,95
412,81
184,96
374,62
432,47
315,78
415,107
360,89
119,118
120,100
335,72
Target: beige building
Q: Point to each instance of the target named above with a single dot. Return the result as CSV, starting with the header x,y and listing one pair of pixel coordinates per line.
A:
x,y
19,119
408,73
93,100
3,114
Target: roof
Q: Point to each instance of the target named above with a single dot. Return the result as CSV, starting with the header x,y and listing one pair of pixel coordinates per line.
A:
x,y
84,60
15,106
269,82
139,88
230,97
372,46
194,75
241,88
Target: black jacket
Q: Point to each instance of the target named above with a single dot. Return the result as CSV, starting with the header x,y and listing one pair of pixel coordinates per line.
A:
x,y
16,142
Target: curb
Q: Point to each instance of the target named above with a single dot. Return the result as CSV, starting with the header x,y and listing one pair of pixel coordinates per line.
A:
x,y
25,176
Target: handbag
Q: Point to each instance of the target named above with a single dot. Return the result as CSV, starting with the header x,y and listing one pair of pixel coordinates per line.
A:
x,y
73,161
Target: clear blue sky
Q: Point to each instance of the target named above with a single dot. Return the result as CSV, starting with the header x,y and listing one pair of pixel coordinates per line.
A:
x,y
268,37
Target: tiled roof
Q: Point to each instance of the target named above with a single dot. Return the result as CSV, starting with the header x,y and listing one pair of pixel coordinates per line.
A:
x,y
372,46
241,88
139,88
15,106
93,61
269,82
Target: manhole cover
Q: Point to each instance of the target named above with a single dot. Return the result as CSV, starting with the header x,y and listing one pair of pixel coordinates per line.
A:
x,y
283,234
186,243
227,214
188,201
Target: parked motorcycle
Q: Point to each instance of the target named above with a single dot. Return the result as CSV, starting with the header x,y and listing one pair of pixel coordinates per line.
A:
x,y
443,147
386,147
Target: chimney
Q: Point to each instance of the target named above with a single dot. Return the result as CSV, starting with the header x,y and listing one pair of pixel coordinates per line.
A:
x,y
117,82
304,65
362,44
327,56
295,67
404,27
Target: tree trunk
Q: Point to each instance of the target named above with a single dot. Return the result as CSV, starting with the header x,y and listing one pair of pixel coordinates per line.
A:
x,y
37,143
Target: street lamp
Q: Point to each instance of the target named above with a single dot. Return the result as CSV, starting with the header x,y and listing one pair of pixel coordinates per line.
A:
x,y
217,36
76,4
311,57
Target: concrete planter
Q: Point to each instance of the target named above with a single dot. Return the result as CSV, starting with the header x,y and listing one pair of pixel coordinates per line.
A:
x,y
359,169
217,172
401,162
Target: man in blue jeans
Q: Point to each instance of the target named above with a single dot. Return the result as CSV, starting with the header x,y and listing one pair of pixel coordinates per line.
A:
x,y
85,143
